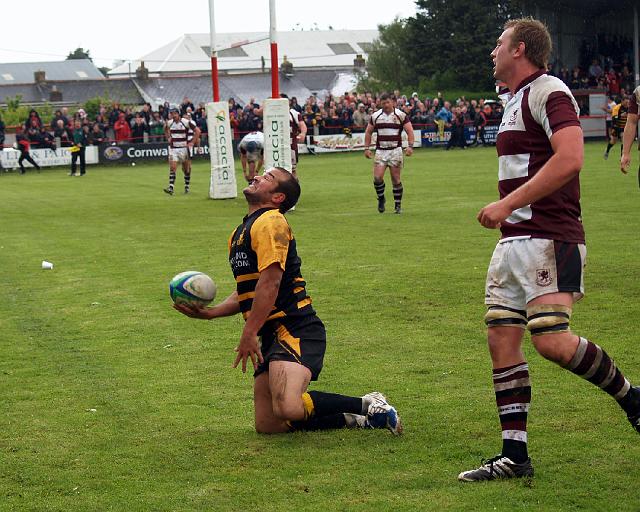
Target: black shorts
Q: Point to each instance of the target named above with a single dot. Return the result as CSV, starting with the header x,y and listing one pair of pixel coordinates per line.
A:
x,y
300,341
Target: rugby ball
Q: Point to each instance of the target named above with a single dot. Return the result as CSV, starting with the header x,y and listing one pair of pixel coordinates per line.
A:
x,y
192,287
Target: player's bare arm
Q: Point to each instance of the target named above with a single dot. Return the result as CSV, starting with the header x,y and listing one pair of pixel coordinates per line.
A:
x,y
227,307
566,162
408,128
196,137
263,302
630,130
367,140
302,126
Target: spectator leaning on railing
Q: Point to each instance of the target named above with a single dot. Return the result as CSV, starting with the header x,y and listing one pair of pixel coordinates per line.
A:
x,y
138,128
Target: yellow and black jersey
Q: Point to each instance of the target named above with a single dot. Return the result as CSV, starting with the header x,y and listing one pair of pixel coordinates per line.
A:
x,y
265,238
619,116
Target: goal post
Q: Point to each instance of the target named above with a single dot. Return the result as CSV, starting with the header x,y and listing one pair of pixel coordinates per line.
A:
x,y
275,123
222,183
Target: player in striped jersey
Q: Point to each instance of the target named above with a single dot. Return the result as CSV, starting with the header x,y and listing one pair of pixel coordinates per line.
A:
x,y
536,272
182,134
388,123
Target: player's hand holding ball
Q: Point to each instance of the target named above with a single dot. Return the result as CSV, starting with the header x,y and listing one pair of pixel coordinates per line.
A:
x,y
191,292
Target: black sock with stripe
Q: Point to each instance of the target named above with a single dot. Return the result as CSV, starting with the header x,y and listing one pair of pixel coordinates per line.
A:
x,y
379,186
324,411
513,396
397,194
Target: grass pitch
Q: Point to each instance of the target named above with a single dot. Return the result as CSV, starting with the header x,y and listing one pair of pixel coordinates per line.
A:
x,y
110,400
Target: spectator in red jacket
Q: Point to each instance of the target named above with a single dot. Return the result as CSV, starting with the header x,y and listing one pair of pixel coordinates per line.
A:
x,y
122,129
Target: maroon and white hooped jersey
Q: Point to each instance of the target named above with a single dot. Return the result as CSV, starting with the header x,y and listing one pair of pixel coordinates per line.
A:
x,y
389,128
541,106
181,132
294,125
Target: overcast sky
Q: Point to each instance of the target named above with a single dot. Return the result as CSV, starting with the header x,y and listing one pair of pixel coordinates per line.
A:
x,y
128,29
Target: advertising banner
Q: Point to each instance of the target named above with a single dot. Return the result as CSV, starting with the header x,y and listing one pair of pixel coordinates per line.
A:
x,y
431,137
46,157
277,134
338,143
223,177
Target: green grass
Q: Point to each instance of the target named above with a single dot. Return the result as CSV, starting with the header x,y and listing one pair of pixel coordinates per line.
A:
x,y
401,297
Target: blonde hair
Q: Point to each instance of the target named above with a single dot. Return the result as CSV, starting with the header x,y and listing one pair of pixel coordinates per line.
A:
x,y
536,38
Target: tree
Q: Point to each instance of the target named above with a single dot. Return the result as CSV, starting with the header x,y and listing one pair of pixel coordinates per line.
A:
x,y
452,40
445,45
389,63
79,53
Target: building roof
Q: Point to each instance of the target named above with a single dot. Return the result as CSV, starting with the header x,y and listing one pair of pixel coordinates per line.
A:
x,y
247,51
73,92
23,72
157,90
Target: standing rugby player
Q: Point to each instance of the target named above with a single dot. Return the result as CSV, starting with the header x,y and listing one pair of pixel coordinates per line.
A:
x,y
388,123
619,115
182,134
536,272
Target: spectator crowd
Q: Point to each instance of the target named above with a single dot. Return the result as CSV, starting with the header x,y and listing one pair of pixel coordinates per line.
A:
x,y
111,124
604,64
335,115
350,113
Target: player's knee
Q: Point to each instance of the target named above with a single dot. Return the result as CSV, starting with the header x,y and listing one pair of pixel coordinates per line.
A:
x,y
264,427
554,347
287,410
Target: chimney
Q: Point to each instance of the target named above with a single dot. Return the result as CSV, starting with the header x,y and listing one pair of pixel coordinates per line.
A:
x,y
39,77
55,96
286,67
142,73
359,62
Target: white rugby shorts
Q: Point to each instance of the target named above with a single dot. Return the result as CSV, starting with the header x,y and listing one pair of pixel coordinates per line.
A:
x,y
389,157
179,154
524,268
